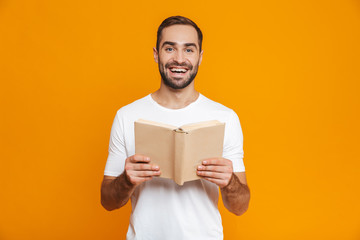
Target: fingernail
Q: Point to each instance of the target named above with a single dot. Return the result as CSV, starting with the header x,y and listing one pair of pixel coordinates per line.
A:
x,y
200,167
147,158
156,167
204,162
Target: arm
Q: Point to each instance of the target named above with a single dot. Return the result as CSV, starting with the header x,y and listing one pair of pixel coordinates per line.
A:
x,y
236,195
116,191
234,190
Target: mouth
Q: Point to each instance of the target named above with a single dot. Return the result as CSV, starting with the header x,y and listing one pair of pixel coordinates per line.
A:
x,y
178,70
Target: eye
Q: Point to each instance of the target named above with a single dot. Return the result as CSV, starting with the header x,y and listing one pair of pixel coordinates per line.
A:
x,y
188,50
169,49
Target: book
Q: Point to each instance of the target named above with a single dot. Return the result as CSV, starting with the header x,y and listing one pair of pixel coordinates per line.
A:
x,y
179,150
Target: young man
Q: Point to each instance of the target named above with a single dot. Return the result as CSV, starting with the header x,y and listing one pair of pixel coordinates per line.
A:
x,y
161,209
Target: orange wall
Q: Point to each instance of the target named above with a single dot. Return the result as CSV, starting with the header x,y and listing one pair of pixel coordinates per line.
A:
x,y
290,69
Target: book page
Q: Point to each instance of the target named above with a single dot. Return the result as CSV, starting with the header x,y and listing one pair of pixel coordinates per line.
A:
x,y
156,124
201,144
156,142
190,127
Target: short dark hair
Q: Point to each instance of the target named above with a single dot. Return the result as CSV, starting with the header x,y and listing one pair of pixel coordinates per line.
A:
x,y
177,20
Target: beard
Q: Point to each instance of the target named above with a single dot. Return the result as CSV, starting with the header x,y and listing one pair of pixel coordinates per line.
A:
x,y
177,83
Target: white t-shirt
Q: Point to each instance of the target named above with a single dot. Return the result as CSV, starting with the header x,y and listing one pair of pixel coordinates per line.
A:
x,y
161,209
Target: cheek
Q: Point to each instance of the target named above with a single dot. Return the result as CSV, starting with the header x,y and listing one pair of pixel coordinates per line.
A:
x,y
163,61
194,60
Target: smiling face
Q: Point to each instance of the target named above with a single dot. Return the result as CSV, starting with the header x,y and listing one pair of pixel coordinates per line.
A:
x,y
179,56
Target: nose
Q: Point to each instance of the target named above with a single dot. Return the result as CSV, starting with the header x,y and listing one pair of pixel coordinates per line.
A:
x,y
179,57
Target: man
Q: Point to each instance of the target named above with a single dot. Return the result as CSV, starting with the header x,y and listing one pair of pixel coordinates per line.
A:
x,y
161,209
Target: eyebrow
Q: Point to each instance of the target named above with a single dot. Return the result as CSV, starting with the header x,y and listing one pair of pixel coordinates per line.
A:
x,y
173,44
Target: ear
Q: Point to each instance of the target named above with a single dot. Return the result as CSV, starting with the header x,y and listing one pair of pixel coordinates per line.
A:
x,y
201,54
156,55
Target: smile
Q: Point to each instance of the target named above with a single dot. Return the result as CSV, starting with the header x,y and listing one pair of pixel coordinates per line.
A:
x,y
178,70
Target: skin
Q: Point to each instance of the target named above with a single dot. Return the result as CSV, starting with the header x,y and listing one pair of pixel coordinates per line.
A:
x,y
178,48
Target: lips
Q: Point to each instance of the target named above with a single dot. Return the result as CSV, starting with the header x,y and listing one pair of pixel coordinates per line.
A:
x,y
178,70
178,67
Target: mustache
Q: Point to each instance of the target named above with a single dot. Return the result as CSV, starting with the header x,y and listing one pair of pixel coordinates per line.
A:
x,y
175,64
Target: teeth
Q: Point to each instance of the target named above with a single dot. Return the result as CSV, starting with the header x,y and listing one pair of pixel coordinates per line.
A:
x,y
178,70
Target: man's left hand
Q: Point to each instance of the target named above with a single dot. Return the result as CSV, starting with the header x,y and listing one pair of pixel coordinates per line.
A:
x,y
216,170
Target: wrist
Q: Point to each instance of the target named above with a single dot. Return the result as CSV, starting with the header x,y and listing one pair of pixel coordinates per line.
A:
x,y
232,183
123,182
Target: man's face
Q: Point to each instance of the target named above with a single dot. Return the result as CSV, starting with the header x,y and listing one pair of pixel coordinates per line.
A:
x,y
179,56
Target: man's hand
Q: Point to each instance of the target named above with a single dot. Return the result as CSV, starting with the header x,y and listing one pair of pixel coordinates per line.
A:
x,y
216,170
138,169
116,191
234,190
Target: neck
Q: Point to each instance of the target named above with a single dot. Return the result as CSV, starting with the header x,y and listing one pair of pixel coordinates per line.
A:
x,y
175,98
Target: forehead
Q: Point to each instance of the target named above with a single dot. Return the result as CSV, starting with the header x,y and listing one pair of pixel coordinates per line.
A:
x,y
179,34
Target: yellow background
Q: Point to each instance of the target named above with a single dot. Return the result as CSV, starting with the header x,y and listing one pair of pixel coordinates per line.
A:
x,y
290,69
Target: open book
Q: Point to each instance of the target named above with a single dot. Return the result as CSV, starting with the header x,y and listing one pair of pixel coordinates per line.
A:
x,y
179,150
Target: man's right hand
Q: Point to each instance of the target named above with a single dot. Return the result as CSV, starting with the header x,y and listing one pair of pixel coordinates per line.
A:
x,y
138,169
116,191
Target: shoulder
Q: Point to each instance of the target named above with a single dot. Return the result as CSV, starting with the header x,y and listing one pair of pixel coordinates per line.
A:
x,y
212,105
134,107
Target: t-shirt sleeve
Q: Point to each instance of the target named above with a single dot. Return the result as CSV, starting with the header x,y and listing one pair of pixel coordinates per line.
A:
x,y
117,151
233,143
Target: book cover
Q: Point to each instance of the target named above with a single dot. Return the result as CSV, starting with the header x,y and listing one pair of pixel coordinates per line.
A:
x,y
179,150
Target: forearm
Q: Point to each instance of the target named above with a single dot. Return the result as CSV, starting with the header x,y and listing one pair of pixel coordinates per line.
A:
x,y
115,193
236,196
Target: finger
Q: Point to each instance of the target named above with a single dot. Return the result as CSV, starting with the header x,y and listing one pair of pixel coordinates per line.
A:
x,y
215,168
138,180
139,158
221,183
217,161
144,173
143,167
213,174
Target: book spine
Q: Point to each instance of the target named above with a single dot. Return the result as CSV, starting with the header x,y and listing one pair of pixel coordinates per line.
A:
x,y
180,146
